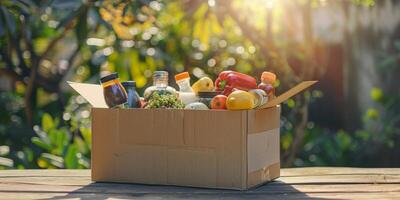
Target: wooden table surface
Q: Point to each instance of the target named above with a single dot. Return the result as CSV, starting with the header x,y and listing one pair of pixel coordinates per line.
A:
x,y
295,183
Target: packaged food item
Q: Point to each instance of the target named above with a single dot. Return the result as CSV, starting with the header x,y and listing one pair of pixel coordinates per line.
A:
x,y
228,80
183,81
206,97
133,96
114,93
219,102
268,88
240,100
185,94
204,84
260,97
196,106
268,79
160,85
187,97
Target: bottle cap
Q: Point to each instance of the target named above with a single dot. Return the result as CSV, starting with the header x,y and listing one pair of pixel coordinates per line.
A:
x,y
129,83
109,77
181,76
268,77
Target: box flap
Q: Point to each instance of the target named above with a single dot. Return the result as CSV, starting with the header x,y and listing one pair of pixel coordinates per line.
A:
x,y
285,96
93,93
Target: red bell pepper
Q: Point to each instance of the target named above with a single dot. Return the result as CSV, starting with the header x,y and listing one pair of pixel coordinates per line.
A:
x,y
229,80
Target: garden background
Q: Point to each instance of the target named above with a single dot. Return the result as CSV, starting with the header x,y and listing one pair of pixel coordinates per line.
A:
x,y
351,118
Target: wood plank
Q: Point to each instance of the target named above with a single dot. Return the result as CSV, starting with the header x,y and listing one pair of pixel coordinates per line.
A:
x,y
297,183
306,171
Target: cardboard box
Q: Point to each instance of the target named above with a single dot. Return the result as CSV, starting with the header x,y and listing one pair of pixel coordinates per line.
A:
x,y
200,148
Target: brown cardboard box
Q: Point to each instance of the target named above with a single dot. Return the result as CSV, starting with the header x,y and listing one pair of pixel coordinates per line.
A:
x,y
211,148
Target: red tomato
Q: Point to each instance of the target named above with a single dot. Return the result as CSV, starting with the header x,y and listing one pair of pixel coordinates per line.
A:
x,y
219,102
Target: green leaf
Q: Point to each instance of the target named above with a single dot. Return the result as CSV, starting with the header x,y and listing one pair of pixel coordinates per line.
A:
x,y
80,144
54,160
71,159
6,162
47,122
85,162
87,136
38,142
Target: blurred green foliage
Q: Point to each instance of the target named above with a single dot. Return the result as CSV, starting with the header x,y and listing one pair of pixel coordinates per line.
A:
x,y
43,124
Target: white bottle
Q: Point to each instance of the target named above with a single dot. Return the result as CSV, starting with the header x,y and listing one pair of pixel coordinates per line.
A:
x,y
186,94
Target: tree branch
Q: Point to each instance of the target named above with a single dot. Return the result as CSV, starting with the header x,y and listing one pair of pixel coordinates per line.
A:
x,y
55,41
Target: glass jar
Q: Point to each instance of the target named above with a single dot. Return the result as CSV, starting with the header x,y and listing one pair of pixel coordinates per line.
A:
x,y
160,85
206,97
133,96
114,93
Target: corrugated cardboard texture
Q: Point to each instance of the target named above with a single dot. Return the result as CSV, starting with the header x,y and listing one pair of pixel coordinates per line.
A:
x,y
174,147
262,149
285,96
215,149
263,145
263,175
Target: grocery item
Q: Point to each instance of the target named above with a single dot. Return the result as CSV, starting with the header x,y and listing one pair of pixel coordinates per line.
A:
x,y
206,97
204,84
187,97
260,97
160,85
219,102
133,96
114,94
240,100
268,80
196,106
268,77
185,94
183,81
164,101
228,80
268,88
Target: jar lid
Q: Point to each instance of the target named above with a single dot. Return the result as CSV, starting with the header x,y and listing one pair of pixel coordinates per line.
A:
x,y
109,77
181,76
160,73
129,83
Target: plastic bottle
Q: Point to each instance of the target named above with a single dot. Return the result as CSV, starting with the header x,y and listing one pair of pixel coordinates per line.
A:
x,y
183,81
185,94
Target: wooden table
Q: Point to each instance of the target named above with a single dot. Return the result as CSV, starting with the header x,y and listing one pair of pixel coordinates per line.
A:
x,y
295,183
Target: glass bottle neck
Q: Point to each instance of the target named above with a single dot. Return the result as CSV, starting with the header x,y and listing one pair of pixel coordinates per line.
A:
x,y
160,79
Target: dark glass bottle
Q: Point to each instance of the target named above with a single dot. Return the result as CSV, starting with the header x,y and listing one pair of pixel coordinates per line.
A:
x,y
133,96
114,94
